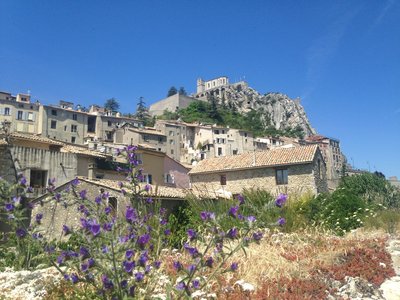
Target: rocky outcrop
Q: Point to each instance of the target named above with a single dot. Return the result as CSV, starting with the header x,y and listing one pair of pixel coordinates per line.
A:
x,y
275,109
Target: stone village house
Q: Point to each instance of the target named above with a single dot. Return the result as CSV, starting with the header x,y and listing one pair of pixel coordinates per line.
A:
x,y
56,214
288,170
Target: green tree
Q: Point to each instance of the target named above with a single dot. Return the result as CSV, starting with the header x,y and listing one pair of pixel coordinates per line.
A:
x,y
111,104
182,91
142,112
172,91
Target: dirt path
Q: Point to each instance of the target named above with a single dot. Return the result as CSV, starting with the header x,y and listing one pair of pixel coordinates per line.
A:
x,y
391,287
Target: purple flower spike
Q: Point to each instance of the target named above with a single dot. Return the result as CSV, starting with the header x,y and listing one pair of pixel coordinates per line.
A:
x,y
129,254
84,267
191,269
232,233
233,211
139,276
74,278
209,262
131,215
196,284
91,262
84,252
95,228
38,218
251,219
66,229
280,200
107,210
177,265
143,240
128,266
97,199
191,234
57,197
23,181
75,182
157,264
206,215
147,187
241,199
107,283
82,194
257,236
143,259
9,207
281,221
167,232
234,266
21,232
181,286
29,189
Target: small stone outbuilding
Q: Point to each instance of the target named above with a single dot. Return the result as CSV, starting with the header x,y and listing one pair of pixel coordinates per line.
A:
x,y
280,170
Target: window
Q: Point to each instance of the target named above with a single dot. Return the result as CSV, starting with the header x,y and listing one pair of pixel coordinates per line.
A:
x,y
219,151
281,176
169,179
172,142
172,151
109,123
53,124
222,179
216,131
171,133
30,116
112,202
74,128
148,178
245,134
19,115
235,152
65,128
53,112
73,139
74,117
7,111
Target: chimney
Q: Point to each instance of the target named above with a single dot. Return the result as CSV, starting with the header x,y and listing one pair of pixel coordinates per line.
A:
x,y
91,168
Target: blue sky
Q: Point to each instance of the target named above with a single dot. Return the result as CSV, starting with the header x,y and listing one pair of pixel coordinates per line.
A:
x,y
342,58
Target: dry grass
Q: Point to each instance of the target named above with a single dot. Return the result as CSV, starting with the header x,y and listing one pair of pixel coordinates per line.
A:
x,y
295,255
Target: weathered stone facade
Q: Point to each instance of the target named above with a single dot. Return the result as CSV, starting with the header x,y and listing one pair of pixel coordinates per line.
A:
x,y
56,214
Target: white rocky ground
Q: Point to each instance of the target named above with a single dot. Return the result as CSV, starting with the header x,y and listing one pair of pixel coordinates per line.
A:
x,y
23,285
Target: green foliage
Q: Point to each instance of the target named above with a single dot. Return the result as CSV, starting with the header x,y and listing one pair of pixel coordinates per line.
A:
x,y
387,219
142,113
373,188
179,221
182,91
225,114
111,104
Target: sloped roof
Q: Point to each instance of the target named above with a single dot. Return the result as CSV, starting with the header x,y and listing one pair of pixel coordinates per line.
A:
x,y
269,158
81,150
35,138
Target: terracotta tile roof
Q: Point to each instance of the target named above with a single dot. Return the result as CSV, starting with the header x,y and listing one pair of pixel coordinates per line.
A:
x,y
35,138
156,191
269,158
81,150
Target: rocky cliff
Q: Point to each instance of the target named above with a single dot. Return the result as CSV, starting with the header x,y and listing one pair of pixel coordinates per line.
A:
x,y
275,109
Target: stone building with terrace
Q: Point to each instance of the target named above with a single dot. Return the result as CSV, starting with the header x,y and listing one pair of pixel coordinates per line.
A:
x,y
280,170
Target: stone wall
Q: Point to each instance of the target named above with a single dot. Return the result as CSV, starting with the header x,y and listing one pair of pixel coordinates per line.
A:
x,y
56,214
301,179
7,169
171,103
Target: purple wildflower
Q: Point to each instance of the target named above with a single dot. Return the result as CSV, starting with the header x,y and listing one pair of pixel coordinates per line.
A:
x,y
181,286
157,264
149,200
209,262
251,219
66,229
234,266
75,182
191,234
143,258
124,284
9,207
241,199
82,194
95,228
192,250
120,184
104,249
191,269
196,284
21,232
233,211
107,283
74,278
107,210
280,200
91,262
167,231
257,236
51,181
232,233
131,215
147,187
38,218
23,181
129,254
16,200
84,267
105,195
177,265
128,266
281,221
139,276
29,189
108,226
206,215
143,240
97,199
84,252
57,197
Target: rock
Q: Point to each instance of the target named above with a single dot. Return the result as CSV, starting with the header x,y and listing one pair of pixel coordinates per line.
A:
x,y
245,286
